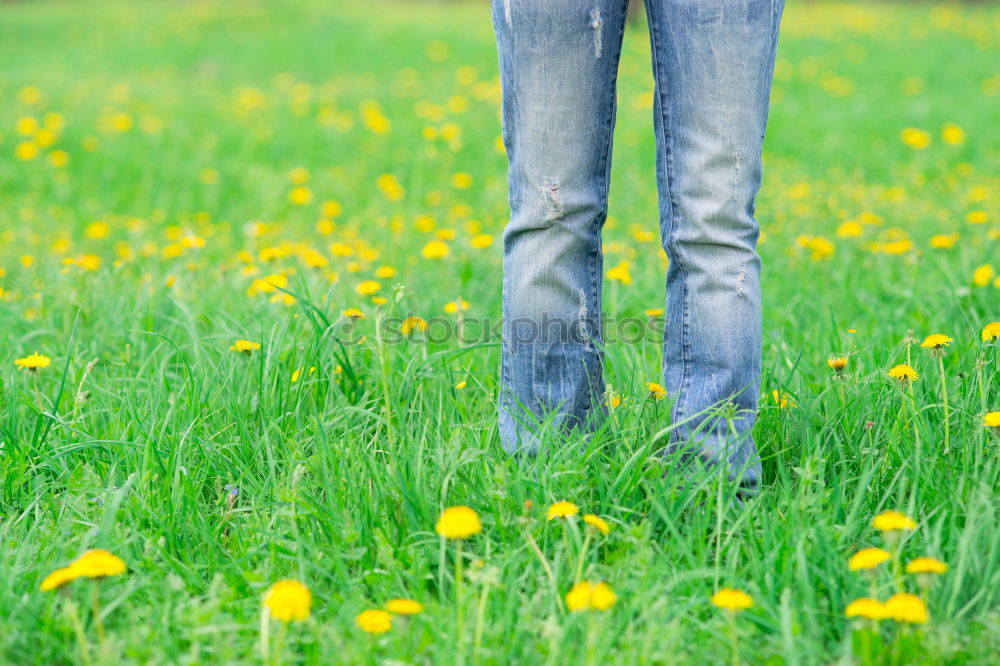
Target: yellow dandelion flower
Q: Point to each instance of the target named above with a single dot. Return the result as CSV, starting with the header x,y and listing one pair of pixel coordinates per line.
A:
x,y
353,313
287,299
977,217
590,596
288,600
461,385
782,399
300,195
461,180
268,285
458,522
837,363
578,598
26,151
889,521
97,563
904,373
991,331
873,609
374,621
850,229
456,306
244,346
906,608
26,125
59,158
435,249
562,509
867,558
368,287
411,324
731,599
30,94
926,565
58,578
602,597
45,138
481,241
341,250
404,606
936,341
917,139
620,273
952,134
33,362
656,391
992,420
314,258
97,230
88,262
598,523
654,312
982,275
943,241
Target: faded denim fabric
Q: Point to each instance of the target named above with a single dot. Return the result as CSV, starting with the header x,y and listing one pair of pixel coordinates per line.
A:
x,y
713,62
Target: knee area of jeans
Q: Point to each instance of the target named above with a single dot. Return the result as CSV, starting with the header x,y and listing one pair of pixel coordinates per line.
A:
x,y
709,262
720,198
716,272
533,325
556,200
716,232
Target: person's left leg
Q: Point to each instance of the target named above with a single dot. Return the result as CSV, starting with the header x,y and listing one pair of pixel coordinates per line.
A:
x,y
713,62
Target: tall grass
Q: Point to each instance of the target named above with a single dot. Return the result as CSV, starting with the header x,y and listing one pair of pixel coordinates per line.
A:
x,y
136,436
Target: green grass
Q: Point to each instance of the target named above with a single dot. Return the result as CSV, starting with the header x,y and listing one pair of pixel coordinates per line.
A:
x,y
129,439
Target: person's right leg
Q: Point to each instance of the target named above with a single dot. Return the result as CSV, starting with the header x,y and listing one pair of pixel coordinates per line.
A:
x,y
558,65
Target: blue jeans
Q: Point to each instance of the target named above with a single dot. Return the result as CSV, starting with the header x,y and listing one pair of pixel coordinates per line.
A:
x,y
713,62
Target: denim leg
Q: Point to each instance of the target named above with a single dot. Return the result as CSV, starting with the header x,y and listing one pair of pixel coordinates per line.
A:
x,y
713,62
558,65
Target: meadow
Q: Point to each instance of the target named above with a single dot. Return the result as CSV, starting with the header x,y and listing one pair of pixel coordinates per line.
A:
x,y
238,240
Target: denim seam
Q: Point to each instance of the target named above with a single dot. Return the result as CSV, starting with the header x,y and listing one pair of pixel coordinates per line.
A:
x,y
609,123
503,400
508,110
669,176
610,118
510,106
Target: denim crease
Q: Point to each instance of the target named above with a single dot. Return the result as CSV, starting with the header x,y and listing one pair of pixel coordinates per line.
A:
x,y
713,63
